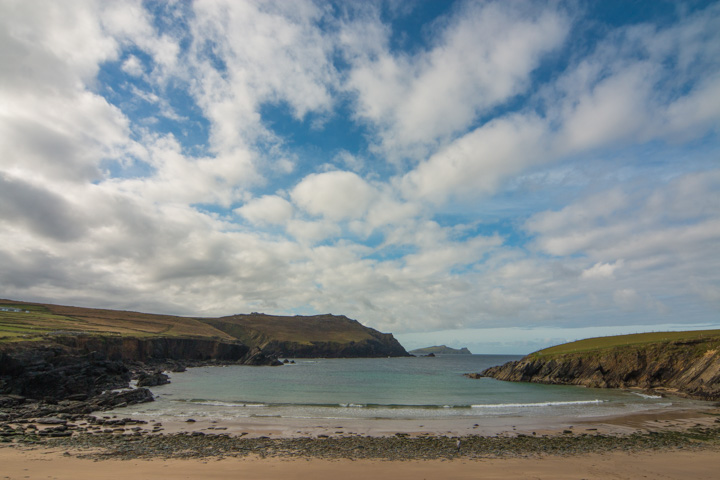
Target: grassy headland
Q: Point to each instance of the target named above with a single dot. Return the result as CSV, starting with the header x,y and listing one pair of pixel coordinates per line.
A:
x,y
709,339
326,335
684,363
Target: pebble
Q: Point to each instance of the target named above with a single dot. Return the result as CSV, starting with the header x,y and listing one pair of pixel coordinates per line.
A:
x,y
399,447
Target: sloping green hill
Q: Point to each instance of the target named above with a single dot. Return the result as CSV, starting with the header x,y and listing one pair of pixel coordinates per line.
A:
x,y
601,343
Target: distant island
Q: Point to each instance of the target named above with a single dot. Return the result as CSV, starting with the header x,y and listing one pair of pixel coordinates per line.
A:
x,y
680,363
440,350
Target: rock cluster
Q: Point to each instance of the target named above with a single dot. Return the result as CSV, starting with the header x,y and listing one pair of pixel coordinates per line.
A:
x,y
105,438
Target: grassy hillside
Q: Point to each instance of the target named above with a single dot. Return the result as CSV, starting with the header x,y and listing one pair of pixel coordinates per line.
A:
x,y
601,343
677,363
302,330
37,321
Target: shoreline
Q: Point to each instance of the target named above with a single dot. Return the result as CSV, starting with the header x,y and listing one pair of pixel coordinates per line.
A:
x,y
281,427
672,445
120,436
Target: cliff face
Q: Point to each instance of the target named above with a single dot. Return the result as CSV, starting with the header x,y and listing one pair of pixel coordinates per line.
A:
x,y
60,359
79,373
156,348
688,368
384,345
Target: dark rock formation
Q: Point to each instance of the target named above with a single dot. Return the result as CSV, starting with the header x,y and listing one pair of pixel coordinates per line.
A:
x,y
687,368
384,346
83,373
131,349
54,372
152,379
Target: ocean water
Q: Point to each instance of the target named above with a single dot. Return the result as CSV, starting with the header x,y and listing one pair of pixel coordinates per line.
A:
x,y
387,388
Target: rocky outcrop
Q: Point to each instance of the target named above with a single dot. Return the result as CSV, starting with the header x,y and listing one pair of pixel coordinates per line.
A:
x,y
152,379
84,373
687,368
55,372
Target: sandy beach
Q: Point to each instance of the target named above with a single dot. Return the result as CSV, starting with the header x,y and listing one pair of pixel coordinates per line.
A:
x,y
56,465
677,444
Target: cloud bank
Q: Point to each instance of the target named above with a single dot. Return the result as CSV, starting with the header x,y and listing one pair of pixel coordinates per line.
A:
x,y
490,165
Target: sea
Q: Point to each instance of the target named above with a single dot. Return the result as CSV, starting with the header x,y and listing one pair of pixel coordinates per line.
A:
x,y
407,388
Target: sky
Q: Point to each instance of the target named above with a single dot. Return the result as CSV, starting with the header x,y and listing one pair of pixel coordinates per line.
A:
x,y
491,174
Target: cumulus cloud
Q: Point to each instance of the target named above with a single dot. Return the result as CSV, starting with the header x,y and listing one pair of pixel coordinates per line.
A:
x,y
269,209
477,162
336,195
246,53
601,270
480,58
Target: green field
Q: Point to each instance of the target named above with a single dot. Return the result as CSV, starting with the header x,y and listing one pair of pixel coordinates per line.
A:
x,y
601,343
43,320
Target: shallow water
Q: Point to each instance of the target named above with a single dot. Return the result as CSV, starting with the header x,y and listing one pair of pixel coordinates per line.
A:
x,y
387,388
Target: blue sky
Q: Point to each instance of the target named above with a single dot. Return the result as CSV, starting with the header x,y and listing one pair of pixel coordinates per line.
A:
x,y
498,175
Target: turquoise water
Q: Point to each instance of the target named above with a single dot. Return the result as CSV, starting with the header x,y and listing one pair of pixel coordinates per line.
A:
x,y
387,388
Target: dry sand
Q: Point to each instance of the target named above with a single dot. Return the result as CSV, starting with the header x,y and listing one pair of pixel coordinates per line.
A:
x,y
44,464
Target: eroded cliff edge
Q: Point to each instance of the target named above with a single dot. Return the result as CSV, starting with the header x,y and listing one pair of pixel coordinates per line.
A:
x,y
687,367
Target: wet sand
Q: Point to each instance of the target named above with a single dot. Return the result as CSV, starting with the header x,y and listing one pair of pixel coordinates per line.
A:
x,y
253,427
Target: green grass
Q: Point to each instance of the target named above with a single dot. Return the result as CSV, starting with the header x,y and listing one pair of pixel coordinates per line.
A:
x,y
253,329
601,343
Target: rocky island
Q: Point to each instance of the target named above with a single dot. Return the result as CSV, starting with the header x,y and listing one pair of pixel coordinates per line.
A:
x,y
61,359
440,350
679,363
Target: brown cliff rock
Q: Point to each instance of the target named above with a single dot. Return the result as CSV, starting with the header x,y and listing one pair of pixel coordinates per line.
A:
x,y
686,368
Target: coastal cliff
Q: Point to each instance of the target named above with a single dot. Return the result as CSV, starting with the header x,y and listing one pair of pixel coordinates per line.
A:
x,y
237,338
318,336
683,363
56,358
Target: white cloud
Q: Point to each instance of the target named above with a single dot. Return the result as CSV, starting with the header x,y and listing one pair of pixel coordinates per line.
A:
x,y
312,232
337,195
482,57
50,124
476,163
133,66
269,209
246,53
601,270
